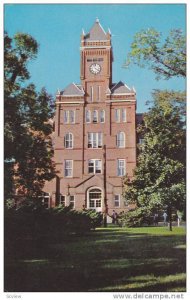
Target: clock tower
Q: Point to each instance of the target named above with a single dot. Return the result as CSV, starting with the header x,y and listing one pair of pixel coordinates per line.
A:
x,y
96,62
95,132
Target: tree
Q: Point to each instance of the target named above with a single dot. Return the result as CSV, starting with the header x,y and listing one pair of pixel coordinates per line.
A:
x,y
28,149
166,60
159,178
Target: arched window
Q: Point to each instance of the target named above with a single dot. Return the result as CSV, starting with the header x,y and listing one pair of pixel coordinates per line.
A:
x,y
95,116
69,140
120,141
95,199
102,116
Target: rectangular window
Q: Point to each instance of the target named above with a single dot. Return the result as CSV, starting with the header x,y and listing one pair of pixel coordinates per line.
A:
x,y
66,116
68,168
72,201
102,116
72,116
117,200
120,140
95,140
124,115
45,199
117,115
121,169
88,116
62,200
91,94
69,116
94,166
98,93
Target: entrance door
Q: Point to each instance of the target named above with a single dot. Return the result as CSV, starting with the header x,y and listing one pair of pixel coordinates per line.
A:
x,y
95,199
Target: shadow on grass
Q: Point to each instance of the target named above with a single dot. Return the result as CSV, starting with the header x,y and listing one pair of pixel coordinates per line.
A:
x,y
104,260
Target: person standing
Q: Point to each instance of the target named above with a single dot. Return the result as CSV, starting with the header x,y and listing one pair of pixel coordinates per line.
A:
x,y
165,217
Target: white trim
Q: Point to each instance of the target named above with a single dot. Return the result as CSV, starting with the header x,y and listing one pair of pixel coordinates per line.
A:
x,y
119,140
60,195
127,86
94,165
121,159
72,95
121,100
69,140
114,85
95,41
119,200
95,47
104,115
69,102
98,209
89,111
65,169
72,201
91,93
121,94
77,87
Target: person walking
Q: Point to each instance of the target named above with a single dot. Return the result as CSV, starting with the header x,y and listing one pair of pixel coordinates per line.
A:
x,y
165,217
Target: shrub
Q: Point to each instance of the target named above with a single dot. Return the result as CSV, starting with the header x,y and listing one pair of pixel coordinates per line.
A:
x,y
135,218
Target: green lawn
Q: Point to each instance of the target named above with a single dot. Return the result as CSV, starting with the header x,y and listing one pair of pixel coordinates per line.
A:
x,y
112,259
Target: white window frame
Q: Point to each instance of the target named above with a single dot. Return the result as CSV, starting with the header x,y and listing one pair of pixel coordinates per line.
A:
x,y
121,167
95,116
95,140
88,116
72,118
120,139
72,201
95,201
62,202
68,117
69,139
96,165
68,168
117,115
102,116
117,199
45,199
124,115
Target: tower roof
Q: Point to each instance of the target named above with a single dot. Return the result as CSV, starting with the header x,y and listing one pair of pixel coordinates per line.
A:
x,y
96,33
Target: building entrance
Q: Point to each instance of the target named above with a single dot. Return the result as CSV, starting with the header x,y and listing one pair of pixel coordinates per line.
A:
x,y
95,199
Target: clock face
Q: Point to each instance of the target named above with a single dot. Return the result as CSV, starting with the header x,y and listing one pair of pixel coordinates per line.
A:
x,y
95,68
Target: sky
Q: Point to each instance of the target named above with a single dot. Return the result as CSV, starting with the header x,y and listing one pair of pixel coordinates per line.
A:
x,y
57,29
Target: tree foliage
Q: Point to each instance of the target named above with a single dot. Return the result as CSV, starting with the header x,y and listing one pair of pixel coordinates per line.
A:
x,y
28,148
167,59
159,179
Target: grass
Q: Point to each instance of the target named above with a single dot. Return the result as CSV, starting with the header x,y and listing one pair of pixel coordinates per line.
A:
x,y
150,259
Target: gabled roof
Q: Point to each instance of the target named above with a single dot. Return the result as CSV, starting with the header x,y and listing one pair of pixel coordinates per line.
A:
x,y
120,88
73,90
96,33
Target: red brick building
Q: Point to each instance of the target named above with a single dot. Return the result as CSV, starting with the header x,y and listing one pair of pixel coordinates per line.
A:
x,y
95,132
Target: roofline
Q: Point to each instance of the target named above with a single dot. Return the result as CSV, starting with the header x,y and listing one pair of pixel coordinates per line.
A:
x,y
78,88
